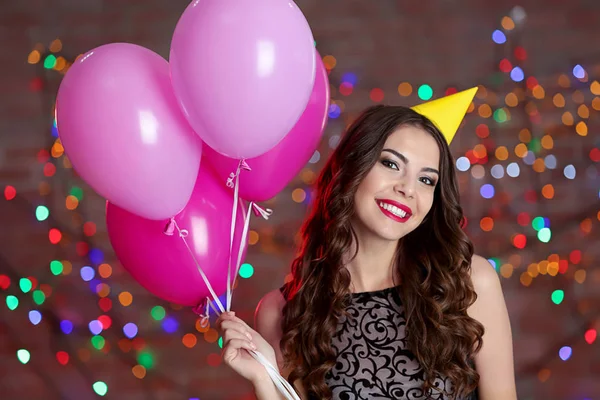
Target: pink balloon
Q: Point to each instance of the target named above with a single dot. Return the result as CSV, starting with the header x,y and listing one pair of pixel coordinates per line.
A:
x,y
242,71
124,133
161,263
272,171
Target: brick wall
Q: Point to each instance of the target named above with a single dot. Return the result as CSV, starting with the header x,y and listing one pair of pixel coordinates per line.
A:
x,y
442,43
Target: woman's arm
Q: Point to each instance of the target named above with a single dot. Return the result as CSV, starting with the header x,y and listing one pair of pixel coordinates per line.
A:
x,y
266,390
267,322
494,362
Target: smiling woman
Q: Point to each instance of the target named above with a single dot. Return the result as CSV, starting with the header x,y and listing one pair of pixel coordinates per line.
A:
x,y
400,185
387,299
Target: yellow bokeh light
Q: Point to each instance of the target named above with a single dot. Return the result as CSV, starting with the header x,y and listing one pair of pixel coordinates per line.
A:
x,y
480,151
308,176
583,111
547,142
596,103
56,46
567,118
506,270
67,267
581,128
580,276
253,237
543,267
525,135
525,279
61,63
404,89
125,298
539,166
533,270
507,23
511,100
502,153
57,149
298,195
521,150
71,202
485,111
558,100
595,88
329,62
538,92
34,57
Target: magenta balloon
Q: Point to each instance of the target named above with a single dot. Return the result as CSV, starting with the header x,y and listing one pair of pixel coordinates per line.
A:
x,y
124,133
272,171
242,71
161,263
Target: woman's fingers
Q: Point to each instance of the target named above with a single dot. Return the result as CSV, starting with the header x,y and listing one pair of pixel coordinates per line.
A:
x,y
232,350
229,326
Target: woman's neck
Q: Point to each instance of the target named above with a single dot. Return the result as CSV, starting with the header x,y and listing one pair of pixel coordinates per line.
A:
x,y
373,268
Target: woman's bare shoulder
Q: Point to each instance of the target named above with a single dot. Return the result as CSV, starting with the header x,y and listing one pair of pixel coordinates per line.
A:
x,y
267,318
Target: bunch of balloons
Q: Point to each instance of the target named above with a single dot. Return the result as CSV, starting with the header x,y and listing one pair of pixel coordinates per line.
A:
x,y
158,139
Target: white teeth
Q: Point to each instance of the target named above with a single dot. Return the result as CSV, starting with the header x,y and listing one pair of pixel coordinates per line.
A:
x,y
393,209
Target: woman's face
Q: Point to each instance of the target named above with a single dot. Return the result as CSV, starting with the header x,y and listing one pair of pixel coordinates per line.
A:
x,y
397,193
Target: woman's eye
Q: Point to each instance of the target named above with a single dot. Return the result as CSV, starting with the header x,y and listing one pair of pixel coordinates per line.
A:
x,y
389,164
428,181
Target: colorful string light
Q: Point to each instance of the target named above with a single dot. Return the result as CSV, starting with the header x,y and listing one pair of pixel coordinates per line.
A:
x,y
484,160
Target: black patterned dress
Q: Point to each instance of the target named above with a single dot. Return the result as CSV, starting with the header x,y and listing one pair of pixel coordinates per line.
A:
x,y
373,361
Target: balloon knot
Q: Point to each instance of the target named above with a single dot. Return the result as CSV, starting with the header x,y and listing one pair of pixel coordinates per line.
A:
x,y
244,165
203,312
263,212
170,227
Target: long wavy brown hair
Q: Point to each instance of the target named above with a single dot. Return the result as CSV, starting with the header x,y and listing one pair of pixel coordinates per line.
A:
x,y
436,288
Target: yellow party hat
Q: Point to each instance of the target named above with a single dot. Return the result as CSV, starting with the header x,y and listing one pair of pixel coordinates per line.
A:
x,y
447,112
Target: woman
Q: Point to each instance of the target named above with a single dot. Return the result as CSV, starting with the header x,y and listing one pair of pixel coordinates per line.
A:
x,y
387,299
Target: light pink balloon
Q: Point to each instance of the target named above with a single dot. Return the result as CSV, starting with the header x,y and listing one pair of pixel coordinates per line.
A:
x,y
123,131
161,263
242,71
272,171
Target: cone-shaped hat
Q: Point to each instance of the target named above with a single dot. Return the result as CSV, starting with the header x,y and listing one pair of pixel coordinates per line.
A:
x,y
447,112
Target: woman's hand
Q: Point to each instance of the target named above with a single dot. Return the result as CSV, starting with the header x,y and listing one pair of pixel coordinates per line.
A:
x,y
238,340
